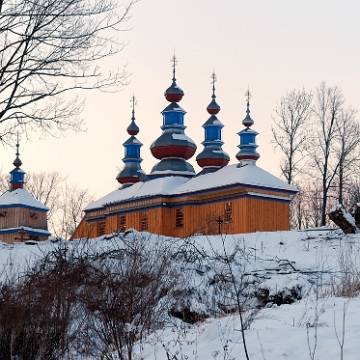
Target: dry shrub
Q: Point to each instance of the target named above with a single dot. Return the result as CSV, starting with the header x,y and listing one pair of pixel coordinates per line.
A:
x,y
347,282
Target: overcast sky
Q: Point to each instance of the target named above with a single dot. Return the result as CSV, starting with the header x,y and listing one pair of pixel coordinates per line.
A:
x,y
271,46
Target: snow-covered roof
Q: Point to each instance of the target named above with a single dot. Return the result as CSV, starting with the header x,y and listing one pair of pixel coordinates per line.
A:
x,y
248,175
28,230
20,197
162,185
234,175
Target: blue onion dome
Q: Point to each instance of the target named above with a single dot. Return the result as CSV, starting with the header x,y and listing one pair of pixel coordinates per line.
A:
x,y
132,172
213,156
247,153
174,93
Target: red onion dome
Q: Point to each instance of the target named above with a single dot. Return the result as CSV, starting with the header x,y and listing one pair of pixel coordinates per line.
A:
x,y
171,144
213,108
17,162
174,93
132,129
212,156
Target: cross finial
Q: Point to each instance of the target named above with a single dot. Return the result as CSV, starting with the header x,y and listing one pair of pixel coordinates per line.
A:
x,y
174,63
133,103
248,95
17,144
213,76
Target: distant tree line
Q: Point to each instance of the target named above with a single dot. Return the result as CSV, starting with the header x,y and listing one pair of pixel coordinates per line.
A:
x,y
318,136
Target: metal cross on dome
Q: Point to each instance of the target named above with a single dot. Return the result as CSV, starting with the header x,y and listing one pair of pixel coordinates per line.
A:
x,y
213,82
174,63
17,144
248,95
133,102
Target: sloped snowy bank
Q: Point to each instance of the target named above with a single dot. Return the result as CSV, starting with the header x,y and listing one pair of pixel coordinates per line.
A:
x,y
304,272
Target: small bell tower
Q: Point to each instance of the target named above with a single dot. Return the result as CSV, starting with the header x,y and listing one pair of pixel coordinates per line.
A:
x,y
22,217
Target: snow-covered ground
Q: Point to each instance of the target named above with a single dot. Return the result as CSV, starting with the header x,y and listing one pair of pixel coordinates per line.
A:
x,y
307,267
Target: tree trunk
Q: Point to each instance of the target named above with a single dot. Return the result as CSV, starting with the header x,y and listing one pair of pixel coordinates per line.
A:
x,y
344,220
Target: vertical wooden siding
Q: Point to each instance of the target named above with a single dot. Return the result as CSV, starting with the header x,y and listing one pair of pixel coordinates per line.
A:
x,y
248,215
19,216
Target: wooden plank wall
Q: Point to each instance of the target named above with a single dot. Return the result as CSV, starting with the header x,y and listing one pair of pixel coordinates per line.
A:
x,y
248,215
15,217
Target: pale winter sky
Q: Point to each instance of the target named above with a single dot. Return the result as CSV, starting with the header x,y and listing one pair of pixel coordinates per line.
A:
x,y
271,46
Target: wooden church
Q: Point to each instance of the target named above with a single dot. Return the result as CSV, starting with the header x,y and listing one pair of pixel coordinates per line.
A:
x,y
173,200
22,217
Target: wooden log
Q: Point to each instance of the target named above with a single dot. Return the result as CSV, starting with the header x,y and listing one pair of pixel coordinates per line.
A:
x,y
343,220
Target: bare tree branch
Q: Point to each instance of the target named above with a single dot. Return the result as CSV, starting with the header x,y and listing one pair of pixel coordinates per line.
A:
x,y
49,48
290,131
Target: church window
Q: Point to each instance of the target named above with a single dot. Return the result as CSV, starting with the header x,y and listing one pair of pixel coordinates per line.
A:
x,y
144,221
179,218
228,212
101,228
122,223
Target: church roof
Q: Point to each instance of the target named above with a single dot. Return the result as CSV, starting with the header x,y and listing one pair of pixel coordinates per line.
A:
x,y
22,198
231,175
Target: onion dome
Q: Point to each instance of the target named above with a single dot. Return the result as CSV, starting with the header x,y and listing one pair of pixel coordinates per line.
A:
x,y
247,153
213,156
173,147
17,175
133,129
132,172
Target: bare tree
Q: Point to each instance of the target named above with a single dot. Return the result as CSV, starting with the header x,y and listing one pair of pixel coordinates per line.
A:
x,y
327,112
4,183
346,150
290,131
73,200
51,47
45,187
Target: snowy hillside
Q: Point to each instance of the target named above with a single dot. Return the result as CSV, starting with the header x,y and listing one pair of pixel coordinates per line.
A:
x,y
297,292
